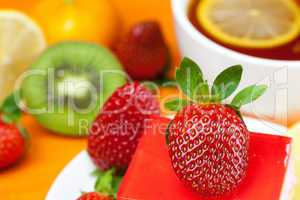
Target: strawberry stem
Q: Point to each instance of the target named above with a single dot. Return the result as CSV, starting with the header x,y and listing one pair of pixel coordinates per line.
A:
x,y
107,182
10,110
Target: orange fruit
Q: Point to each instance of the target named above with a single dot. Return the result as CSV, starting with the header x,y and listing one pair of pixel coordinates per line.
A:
x,y
84,20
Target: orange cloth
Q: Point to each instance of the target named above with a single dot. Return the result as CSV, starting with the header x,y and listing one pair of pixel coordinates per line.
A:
x,y
49,153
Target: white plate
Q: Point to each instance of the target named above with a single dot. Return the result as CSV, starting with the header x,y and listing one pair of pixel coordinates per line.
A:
x,y
76,176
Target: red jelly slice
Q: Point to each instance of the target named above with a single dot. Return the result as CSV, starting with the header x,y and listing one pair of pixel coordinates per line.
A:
x,y
150,175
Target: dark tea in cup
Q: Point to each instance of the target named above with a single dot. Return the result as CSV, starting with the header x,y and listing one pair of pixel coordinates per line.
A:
x,y
277,15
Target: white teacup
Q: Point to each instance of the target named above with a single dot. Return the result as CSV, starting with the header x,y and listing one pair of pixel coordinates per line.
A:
x,y
281,103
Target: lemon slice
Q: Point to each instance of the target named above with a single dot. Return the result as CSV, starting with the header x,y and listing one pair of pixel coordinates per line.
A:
x,y
21,41
250,23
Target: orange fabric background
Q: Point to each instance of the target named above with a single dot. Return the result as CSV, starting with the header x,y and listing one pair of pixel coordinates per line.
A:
x,y
49,153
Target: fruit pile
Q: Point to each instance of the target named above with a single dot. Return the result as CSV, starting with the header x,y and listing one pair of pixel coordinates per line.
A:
x,y
65,86
62,75
72,80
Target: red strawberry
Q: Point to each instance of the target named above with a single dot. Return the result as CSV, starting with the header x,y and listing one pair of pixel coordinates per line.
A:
x,y
115,133
208,142
12,145
12,141
143,52
209,147
93,196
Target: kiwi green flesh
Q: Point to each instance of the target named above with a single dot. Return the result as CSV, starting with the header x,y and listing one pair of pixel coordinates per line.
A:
x,y
48,92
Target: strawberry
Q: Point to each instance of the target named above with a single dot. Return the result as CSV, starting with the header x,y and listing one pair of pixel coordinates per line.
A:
x,y
12,136
94,196
143,51
12,145
208,141
114,134
214,158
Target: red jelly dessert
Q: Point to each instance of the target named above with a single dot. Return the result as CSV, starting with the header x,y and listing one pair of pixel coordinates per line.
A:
x,y
150,175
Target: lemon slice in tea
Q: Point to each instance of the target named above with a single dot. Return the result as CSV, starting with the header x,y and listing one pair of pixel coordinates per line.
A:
x,y
250,23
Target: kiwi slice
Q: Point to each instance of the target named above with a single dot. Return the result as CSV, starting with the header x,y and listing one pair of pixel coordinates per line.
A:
x,y
67,85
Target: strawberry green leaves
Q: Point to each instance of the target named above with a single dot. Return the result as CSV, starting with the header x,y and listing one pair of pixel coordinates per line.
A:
x,y
107,182
248,95
176,104
189,77
10,109
193,84
227,82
